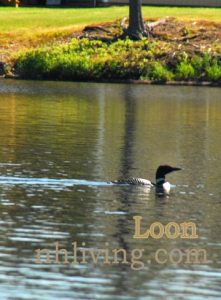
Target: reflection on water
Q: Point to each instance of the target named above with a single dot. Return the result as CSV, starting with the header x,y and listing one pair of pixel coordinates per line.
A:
x,y
11,180
61,143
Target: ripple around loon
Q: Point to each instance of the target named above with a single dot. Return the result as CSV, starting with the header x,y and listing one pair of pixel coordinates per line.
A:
x,y
11,180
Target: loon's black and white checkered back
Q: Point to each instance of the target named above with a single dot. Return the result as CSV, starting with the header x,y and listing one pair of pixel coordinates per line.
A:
x,y
135,181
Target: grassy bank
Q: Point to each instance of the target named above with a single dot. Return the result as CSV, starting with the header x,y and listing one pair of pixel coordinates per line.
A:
x,y
43,43
28,27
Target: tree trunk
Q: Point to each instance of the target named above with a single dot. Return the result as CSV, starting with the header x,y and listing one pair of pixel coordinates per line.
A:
x,y
135,29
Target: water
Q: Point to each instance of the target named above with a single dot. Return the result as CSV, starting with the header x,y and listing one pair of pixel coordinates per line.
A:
x,y
61,145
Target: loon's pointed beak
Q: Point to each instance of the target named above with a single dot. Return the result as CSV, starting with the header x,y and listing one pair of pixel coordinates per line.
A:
x,y
176,169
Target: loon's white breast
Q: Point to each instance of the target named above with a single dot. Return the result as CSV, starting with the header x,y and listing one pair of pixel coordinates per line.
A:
x,y
163,188
166,187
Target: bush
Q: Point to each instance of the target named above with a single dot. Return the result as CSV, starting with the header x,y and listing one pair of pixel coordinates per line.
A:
x,y
185,71
213,72
157,72
123,59
33,64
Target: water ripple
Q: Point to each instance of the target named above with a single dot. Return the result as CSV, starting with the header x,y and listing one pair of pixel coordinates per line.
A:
x,y
11,180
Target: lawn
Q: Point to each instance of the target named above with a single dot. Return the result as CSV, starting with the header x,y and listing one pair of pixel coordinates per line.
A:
x,y
26,19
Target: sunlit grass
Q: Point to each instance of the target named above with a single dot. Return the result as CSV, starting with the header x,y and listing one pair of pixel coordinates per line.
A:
x,y
30,27
13,19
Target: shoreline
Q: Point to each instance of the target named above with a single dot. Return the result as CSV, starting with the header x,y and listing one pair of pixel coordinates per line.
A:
x,y
177,53
128,81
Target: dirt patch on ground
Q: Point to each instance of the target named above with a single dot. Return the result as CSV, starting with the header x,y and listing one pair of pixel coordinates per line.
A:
x,y
198,36
193,36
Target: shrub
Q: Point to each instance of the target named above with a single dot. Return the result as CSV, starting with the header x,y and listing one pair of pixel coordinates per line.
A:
x,y
184,71
197,63
123,59
34,64
157,72
213,72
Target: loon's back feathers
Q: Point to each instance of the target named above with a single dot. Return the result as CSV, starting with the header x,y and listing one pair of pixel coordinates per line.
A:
x,y
134,181
160,184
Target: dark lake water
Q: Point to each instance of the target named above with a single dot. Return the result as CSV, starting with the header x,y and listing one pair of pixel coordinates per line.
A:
x,y
60,145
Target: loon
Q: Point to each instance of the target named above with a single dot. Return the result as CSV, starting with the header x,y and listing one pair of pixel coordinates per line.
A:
x,y
162,186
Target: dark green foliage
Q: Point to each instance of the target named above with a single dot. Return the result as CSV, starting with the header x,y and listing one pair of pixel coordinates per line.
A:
x,y
124,59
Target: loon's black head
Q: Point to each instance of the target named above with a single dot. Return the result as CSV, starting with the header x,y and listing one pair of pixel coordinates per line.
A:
x,y
163,170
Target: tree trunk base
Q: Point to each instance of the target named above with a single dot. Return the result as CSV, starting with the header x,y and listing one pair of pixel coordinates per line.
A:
x,y
134,35
139,34
130,32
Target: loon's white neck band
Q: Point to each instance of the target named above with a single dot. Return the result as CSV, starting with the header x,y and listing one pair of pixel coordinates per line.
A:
x,y
160,180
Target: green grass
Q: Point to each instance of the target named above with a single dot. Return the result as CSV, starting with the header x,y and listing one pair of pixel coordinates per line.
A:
x,y
22,19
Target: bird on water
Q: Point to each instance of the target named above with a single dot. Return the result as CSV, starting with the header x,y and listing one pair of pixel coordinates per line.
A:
x,y
162,186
